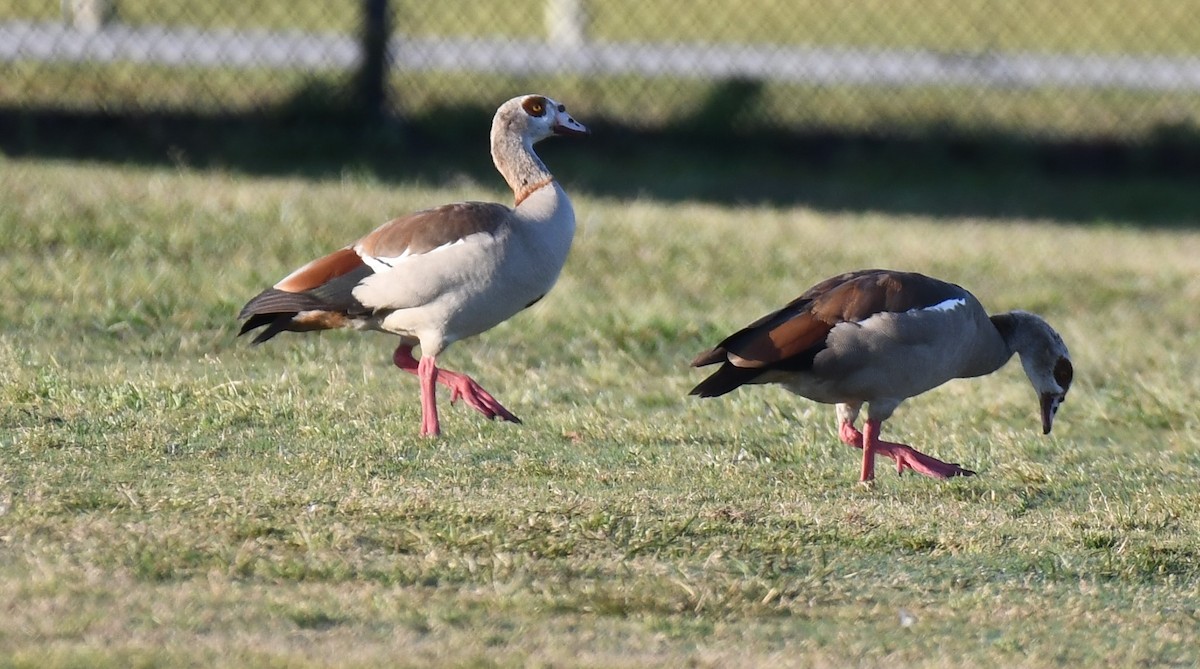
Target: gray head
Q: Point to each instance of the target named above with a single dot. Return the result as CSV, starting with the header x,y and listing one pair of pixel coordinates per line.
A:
x,y
534,118
1044,356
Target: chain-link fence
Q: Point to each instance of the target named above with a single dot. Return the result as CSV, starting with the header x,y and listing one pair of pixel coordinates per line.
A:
x,y
1109,69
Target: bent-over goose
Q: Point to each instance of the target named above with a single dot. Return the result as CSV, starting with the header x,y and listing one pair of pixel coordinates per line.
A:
x,y
443,274
878,337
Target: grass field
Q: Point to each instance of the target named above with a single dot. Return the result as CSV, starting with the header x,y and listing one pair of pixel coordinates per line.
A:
x,y
170,496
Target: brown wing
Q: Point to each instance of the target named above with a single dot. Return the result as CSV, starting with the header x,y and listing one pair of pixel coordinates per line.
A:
x,y
321,270
320,295
850,298
800,326
790,338
427,230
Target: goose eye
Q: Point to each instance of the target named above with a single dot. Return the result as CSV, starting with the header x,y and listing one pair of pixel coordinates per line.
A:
x,y
535,106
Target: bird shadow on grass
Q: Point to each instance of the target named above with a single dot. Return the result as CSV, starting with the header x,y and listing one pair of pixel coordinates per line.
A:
x,y
932,171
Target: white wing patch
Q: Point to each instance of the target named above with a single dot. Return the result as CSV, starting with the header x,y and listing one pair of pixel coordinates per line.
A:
x,y
374,263
945,305
382,264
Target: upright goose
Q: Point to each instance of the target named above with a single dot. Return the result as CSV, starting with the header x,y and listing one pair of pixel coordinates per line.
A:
x,y
878,337
444,274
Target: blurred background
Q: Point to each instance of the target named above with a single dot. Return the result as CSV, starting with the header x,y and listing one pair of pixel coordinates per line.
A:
x,y
1009,107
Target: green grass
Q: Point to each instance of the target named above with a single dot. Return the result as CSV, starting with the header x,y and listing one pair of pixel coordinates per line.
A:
x,y
170,496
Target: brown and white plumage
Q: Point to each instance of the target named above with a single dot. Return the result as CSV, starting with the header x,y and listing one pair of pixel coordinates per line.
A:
x,y
441,275
878,337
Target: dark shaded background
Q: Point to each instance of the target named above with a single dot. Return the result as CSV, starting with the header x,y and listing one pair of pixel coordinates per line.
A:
x,y
360,120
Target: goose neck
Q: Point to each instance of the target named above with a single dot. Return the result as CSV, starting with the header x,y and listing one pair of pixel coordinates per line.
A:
x,y
519,165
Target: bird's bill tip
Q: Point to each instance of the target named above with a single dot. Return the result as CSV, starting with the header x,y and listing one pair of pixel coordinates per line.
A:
x,y
1050,403
566,125
572,128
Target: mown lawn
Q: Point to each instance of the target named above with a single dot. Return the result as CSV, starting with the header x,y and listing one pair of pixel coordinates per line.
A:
x,y
170,496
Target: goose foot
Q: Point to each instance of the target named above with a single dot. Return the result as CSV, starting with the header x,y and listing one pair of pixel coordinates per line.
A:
x,y
906,456
460,385
463,386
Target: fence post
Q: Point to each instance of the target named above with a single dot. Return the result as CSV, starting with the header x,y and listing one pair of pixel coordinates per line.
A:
x,y
372,76
566,22
88,15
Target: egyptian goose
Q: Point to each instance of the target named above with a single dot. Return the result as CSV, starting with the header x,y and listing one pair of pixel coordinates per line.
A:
x,y
878,337
443,274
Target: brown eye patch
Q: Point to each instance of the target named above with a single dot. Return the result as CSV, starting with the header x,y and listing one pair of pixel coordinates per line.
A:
x,y
1063,373
535,106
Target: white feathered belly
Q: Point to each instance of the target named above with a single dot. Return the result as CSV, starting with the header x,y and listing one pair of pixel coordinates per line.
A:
x,y
478,288
468,287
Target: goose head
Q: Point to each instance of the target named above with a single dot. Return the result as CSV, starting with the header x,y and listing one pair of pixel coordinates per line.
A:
x,y
1045,359
534,118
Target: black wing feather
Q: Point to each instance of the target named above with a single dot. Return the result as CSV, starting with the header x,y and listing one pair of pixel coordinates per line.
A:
x,y
276,308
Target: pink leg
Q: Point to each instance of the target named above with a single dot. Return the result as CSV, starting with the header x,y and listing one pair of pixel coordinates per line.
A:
x,y
852,437
460,385
427,372
849,435
870,441
906,457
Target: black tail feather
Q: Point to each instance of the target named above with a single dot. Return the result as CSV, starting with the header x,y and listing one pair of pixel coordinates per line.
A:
x,y
275,323
710,357
279,324
726,379
275,301
275,309
257,321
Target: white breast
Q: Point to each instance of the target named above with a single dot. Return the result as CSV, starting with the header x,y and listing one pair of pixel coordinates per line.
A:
x,y
460,291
